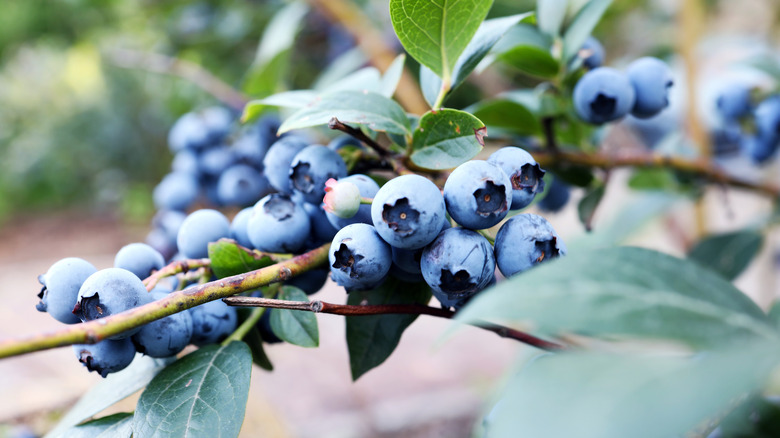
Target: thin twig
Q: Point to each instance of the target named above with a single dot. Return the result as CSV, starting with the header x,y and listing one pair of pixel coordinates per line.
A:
x,y
158,63
336,124
384,309
174,268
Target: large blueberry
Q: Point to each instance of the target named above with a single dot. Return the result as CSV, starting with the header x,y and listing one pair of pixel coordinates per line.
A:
x,y
238,231
321,228
188,132
200,228
311,167
734,101
524,241
215,160
603,95
164,337
408,211
478,194
140,259
108,292
557,196
592,53
107,356
241,185
457,265
368,189
651,79
176,191
358,257
212,322
525,175
278,224
277,161
61,285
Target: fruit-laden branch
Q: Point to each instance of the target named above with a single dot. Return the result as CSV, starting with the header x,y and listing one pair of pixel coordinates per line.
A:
x,y
157,63
383,309
97,330
697,167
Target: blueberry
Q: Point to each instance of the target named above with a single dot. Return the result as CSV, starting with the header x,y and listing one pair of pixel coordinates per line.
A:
x,y
358,257
169,221
186,161
217,121
651,79
592,53
757,148
188,132
253,143
478,194
212,322
278,159
457,265
310,281
164,337
408,211
557,196
368,189
726,140
216,160
163,244
61,285
107,356
278,224
767,117
241,185
176,191
200,228
108,292
238,227
524,241
526,176
406,264
734,101
311,167
344,141
321,228
603,95
140,259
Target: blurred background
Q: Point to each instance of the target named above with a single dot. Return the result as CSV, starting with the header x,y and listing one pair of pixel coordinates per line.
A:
x,y
83,142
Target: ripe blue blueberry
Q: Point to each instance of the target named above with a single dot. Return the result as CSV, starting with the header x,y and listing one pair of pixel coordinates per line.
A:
x,y
651,79
277,161
164,337
408,211
214,161
61,285
358,257
212,322
311,167
278,224
176,191
734,101
557,196
241,185
310,281
107,356
524,241
767,117
217,121
457,265
321,228
525,175
238,227
603,95
186,161
368,189
188,132
140,259
169,222
200,228
478,194
592,53
108,292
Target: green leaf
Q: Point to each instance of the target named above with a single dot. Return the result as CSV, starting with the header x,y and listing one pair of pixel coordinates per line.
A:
x,y
531,60
446,138
371,110
345,64
506,115
622,292
488,34
202,394
115,387
435,33
579,176
582,25
255,342
272,57
550,15
372,338
729,253
588,205
392,76
756,418
229,258
298,327
113,426
285,99
774,314
365,79
597,394
652,179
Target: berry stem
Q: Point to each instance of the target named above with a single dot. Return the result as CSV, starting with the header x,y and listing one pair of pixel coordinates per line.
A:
x,y
336,124
177,267
384,309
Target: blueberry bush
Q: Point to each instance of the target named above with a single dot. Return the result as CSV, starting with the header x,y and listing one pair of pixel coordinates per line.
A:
x,y
371,178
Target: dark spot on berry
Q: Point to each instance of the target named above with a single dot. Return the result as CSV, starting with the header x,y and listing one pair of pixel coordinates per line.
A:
x,y
280,207
400,217
89,308
345,260
528,178
491,199
546,250
457,283
603,105
301,178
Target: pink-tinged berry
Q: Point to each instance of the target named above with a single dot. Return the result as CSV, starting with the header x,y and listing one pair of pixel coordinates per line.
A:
x,y
341,198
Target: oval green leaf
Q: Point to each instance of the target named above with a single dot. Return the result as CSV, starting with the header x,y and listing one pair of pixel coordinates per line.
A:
x,y
202,394
113,426
507,115
435,33
728,254
531,60
582,25
298,327
447,138
229,258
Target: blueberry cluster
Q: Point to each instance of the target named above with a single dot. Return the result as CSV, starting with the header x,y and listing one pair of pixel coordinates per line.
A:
x,y
751,126
409,235
74,291
605,94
